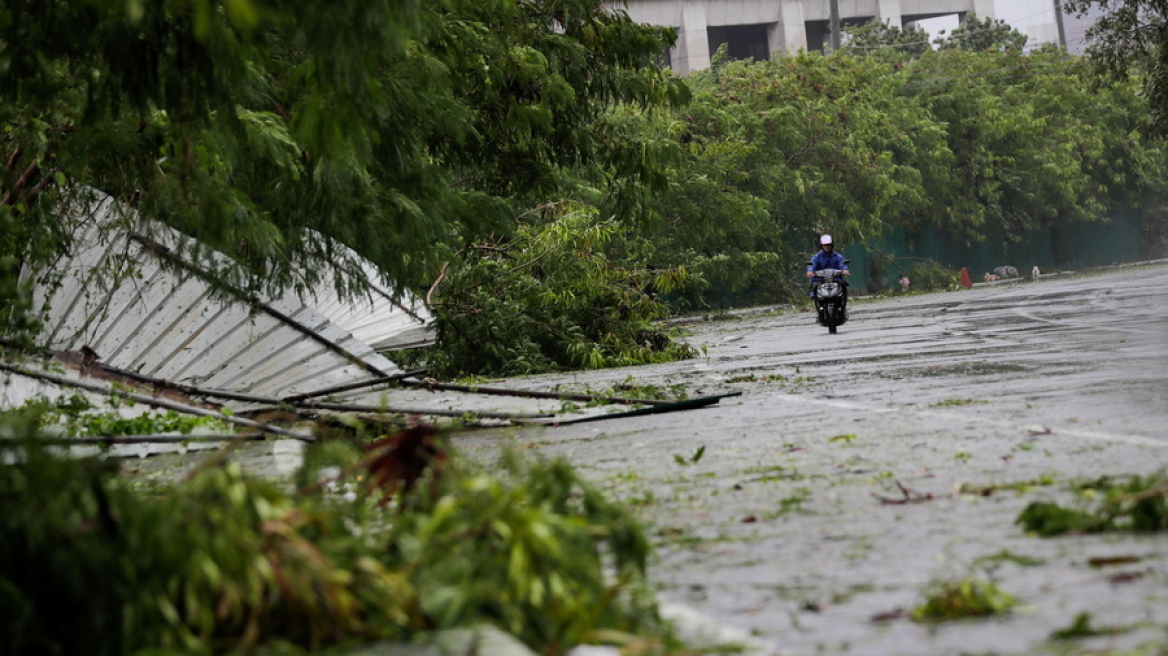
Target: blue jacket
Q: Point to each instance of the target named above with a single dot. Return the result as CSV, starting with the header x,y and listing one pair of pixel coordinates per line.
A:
x,y
825,260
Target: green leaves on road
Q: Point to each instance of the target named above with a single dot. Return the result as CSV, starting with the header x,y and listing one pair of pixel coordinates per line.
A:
x,y
692,460
953,600
1109,504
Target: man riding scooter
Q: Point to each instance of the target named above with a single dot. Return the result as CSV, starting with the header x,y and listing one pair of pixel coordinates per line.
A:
x,y
831,310
826,258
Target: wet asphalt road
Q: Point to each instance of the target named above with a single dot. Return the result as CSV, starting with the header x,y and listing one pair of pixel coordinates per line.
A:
x,y
784,527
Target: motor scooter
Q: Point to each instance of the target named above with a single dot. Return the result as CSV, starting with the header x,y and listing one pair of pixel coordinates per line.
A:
x,y
831,297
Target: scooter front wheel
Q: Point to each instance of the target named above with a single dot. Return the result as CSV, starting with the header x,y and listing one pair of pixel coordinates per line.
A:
x,y
831,330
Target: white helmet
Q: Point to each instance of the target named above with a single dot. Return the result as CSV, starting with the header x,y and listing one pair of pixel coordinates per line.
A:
x,y
826,239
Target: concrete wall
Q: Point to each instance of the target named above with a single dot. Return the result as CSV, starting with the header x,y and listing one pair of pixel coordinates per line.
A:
x,y
788,22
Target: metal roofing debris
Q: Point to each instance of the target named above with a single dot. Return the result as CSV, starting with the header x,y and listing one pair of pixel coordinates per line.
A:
x,y
128,305
352,386
168,322
303,403
672,406
534,402
504,391
436,412
382,319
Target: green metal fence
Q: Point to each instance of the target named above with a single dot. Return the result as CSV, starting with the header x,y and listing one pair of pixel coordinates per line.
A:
x,y
879,264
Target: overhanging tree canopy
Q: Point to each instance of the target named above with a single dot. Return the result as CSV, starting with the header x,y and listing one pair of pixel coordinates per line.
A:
x,y
395,127
1130,39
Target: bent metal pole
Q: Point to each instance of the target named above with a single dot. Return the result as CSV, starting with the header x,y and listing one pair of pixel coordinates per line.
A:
x,y
157,402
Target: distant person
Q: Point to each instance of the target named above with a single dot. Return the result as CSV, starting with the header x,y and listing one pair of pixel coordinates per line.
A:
x,y
826,258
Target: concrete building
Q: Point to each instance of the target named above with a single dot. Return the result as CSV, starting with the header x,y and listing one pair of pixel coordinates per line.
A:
x,y
1075,27
757,28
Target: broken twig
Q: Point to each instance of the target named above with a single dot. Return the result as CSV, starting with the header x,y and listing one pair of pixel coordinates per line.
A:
x,y
910,496
430,293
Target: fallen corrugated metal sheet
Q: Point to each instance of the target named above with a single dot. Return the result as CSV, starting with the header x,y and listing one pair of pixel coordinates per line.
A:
x,y
128,306
167,322
380,319
657,408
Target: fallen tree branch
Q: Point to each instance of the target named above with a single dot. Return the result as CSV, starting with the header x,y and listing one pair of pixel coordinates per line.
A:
x,y
13,158
445,268
312,408
531,394
337,389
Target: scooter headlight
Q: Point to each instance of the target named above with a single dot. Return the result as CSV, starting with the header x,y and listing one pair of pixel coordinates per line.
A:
x,y
829,289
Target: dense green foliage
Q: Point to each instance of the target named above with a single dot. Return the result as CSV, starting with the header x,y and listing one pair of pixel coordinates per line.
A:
x,y
1128,42
975,138
401,129
548,298
928,276
976,143
983,34
1129,45
227,563
873,37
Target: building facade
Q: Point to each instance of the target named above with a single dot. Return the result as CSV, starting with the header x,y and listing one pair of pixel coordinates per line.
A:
x,y
758,28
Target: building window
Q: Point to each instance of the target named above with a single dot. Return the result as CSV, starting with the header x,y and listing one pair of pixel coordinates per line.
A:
x,y
743,41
